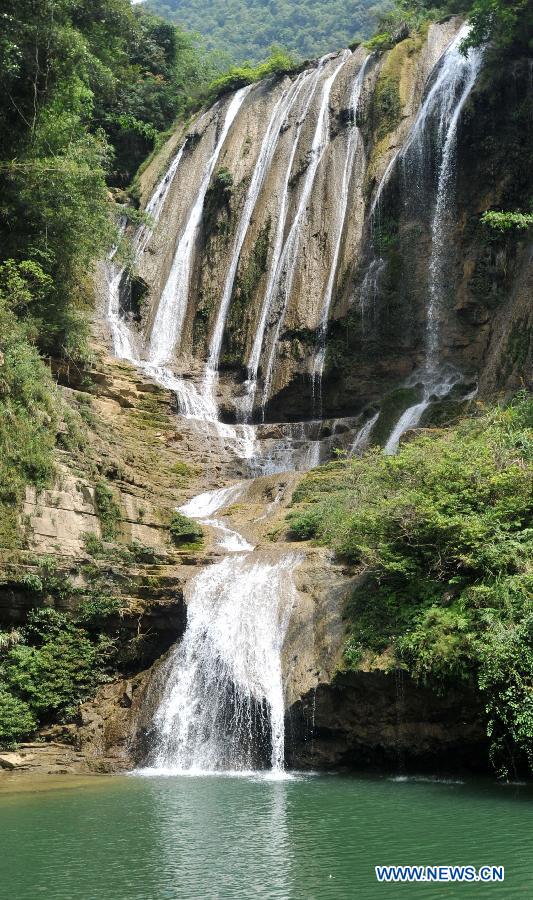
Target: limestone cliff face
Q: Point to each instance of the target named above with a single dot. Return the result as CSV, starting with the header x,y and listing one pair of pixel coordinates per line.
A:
x,y
365,268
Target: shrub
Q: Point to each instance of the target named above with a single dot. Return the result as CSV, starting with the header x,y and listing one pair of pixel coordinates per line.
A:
x,y
184,530
181,469
16,718
278,63
507,221
53,664
107,510
96,609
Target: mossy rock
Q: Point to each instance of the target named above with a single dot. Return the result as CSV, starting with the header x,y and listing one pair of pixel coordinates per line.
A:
x,y
246,286
217,201
442,412
107,510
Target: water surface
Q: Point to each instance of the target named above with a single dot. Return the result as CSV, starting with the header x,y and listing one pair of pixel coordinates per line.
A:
x,y
309,838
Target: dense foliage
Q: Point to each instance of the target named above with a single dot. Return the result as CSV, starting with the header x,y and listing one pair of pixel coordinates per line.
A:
x,y
184,530
46,668
86,88
245,29
28,403
279,62
442,537
507,221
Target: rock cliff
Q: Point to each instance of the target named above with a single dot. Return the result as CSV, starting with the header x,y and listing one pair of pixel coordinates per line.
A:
x,y
292,232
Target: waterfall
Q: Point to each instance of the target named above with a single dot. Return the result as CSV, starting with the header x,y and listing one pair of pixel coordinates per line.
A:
x,y
433,138
123,341
310,80
264,161
362,437
172,307
222,706
121,335
353,144
463,74
409,419
192,403
156,203
222,692
289,256
370,290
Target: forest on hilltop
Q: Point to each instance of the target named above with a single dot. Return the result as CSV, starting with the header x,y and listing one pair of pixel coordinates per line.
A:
x,y
246,29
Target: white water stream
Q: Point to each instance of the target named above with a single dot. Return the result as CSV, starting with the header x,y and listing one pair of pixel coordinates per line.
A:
x,y
289,256
433,136
266,155
354,144
310,82
172,306
222,705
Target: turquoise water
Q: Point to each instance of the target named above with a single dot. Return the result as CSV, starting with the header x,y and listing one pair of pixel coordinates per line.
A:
x,y
311,838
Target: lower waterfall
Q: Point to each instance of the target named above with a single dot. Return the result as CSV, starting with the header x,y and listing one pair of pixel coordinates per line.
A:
x,y
222,704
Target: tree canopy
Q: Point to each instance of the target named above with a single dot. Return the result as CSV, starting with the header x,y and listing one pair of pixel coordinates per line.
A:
x,y
245,29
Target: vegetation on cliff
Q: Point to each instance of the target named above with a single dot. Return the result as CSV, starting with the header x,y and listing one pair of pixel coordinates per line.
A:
x,y
441,535
278,62
506,24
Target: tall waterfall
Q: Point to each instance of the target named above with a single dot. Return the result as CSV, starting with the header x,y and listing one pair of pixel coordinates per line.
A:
x,y
354,143
264,161
433,138
311,83
172,306
289,256
459,76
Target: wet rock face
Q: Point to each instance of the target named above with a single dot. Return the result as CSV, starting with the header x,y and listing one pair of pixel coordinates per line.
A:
x,y
379,720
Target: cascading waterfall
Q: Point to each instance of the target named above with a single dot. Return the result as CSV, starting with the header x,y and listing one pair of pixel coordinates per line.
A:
x,y
264,161
222,698
121,335
438,118
172,306
222,706
370,290
362,437
354,144
310,81
156,203
289,255
123,341
191,402
464,71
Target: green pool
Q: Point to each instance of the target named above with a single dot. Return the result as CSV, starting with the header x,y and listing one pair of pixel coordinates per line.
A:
x,y
311,837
